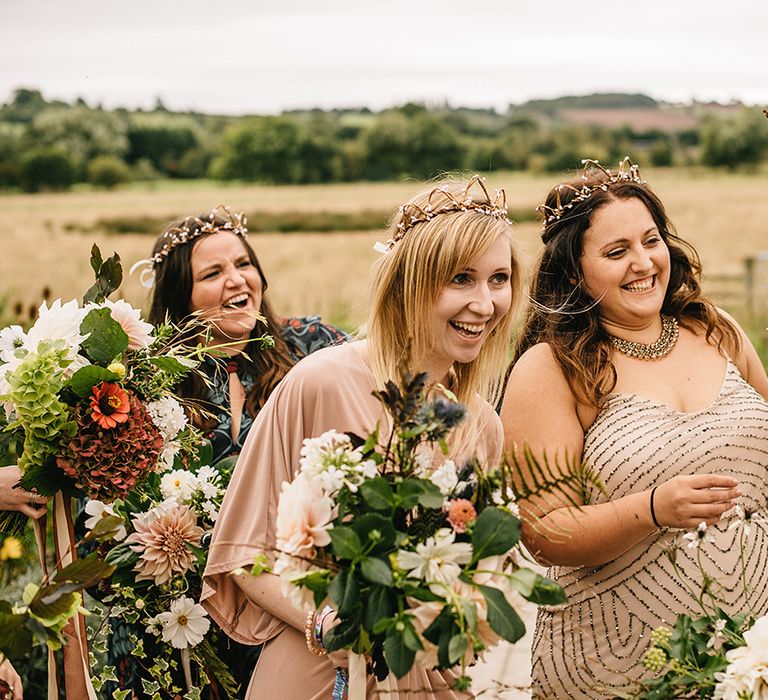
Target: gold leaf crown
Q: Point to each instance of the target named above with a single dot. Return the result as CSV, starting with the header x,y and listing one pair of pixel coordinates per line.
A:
x,y
627,172
413,214
192,227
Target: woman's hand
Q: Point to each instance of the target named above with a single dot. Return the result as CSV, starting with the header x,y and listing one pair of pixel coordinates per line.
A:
x,y
27,502
686,501
340,657
12,680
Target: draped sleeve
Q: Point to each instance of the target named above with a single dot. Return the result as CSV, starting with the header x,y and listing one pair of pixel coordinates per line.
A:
x,y
329,389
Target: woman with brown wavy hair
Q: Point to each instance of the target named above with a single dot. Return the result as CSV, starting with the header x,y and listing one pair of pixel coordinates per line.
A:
x,y
204,266
625,364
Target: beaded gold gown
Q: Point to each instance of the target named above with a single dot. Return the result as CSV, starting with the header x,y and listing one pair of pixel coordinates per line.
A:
x,y
593,644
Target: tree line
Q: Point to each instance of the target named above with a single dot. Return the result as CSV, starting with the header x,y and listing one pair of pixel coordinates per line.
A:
x,y
49,145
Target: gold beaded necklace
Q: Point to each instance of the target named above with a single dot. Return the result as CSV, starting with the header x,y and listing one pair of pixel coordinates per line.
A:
x,y
650,351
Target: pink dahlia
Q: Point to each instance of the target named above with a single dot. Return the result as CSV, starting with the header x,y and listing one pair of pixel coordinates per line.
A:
x,y
162,544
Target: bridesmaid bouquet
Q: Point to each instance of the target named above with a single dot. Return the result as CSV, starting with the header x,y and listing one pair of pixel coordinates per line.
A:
x,y
415,553
714,655
156,545
87,395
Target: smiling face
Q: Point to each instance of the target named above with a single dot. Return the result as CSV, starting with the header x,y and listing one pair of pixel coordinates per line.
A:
x,y
468,308
225,285
625,264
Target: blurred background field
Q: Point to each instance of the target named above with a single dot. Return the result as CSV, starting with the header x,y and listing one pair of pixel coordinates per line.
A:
x,y
322,264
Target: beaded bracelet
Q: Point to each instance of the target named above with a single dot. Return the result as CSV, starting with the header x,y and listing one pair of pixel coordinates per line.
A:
x,y
309,629
319,619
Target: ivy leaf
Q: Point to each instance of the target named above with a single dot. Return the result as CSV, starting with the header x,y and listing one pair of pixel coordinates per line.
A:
x,y
495,532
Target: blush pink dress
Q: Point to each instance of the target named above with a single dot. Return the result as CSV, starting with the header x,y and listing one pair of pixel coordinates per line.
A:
x,y
593,644
329,389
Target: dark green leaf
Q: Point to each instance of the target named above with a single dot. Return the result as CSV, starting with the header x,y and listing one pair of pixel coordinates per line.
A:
x,y
378,494
169,364
495,532
105,529
380,605
399,657
502,617
121,555
96,259
16,639
546,592
376,571
345,592
46,478
365,525
106,337
86,572
342,635
53,600
410,638
456,647
83,381
419,491
346,544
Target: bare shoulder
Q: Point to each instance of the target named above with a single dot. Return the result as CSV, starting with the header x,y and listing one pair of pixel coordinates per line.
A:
x,y
746,358
538,367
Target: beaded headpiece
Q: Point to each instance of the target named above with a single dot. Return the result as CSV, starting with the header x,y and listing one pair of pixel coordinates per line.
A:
x,y
627,172
191,228
442,201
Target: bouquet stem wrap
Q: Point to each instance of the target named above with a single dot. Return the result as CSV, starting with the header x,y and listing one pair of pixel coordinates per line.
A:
x,y
77,679
357,676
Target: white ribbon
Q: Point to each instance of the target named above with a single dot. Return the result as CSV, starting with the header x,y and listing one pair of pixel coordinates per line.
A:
x,y
357,676
147,275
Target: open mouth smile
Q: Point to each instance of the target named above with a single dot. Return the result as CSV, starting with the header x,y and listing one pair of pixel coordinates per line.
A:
x,y
468,330
237,302
642,285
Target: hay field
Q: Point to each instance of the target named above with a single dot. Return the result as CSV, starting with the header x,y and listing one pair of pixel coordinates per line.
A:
x,y
723,215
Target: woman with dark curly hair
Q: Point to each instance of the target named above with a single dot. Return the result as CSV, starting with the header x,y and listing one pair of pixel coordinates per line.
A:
x,y
625,364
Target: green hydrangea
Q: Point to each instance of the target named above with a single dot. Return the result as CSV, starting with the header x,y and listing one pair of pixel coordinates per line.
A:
x,y
660,636
654,659
35,385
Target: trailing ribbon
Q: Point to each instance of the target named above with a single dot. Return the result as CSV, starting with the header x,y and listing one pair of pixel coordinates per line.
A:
x,y
77,679
357,676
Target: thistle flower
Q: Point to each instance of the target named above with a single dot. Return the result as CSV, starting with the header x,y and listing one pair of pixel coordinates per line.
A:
x,y
162,544
109,405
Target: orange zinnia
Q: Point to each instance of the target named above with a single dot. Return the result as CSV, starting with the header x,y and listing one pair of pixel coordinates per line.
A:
x,y
109,405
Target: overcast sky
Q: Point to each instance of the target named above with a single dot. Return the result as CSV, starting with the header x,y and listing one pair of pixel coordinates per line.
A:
x,y
238,56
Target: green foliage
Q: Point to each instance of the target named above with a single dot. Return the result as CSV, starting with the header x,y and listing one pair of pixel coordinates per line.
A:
x,y
106,338
108,171
729,143
109,275
48,168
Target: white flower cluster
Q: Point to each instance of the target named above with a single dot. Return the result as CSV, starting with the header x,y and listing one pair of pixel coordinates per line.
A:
x,y
202,490
170,419
331,460
747,673
98,510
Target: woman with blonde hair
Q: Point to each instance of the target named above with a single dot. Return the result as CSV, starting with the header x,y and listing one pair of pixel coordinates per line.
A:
x,y
444,295
624,363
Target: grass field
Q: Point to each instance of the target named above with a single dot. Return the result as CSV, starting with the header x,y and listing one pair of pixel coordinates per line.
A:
x,y
723,215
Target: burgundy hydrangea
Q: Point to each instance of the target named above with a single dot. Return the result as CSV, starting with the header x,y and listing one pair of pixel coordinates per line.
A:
x,y
106,463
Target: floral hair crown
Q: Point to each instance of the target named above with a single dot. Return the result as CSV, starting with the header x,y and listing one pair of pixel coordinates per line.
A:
x,y
191,228
413,214
627,172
